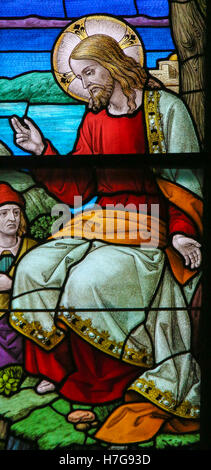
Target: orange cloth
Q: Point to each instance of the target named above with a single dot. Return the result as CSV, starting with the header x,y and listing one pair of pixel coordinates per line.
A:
x,y
139,422
184,199
193,207
181,425
132,422
118,226
128,228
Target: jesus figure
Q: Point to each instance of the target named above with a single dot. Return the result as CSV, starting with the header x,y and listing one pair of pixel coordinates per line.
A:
x,y
143,357
120,105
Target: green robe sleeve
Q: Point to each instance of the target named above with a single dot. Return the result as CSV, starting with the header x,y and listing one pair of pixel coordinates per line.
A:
x,y
178,128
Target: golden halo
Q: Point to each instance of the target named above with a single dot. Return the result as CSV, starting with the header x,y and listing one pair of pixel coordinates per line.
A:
x,y
128,40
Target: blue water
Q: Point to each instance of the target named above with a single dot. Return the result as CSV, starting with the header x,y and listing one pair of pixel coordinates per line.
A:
x,y
58,123
6,133
8,109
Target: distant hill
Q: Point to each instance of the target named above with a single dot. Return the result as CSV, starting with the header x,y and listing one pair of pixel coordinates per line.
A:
x,y
34,87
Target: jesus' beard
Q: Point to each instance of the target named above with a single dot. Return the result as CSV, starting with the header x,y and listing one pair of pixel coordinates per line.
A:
x,y
101,99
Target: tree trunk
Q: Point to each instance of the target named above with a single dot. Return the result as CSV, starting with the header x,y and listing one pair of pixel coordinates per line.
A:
x,y
189,32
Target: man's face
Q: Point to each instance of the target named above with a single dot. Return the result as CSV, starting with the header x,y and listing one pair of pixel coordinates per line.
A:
x,y
9,219
96,79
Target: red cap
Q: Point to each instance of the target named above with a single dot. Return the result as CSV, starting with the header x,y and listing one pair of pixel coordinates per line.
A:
x,y
9,196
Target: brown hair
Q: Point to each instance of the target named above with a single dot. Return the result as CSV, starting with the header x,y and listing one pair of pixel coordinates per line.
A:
x,y
106,51
22,229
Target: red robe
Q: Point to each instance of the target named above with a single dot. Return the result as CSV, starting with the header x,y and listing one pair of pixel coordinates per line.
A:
x,y
97,378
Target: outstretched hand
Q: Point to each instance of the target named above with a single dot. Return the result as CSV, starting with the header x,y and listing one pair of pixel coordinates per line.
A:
x,y
189,249
28,137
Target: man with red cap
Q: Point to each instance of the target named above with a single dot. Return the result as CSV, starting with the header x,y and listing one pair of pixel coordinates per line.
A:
x,y
13,244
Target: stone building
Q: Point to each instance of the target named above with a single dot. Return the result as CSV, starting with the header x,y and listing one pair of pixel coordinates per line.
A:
x,y
168,73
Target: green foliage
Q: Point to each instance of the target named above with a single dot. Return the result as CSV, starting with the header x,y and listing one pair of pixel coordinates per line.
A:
x,y
49,429
167,441
10,378
62,406
38,419
4,150
102,412
20,404
40,229
34,87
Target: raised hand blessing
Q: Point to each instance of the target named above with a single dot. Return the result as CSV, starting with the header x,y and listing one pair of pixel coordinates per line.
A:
x,y
28,137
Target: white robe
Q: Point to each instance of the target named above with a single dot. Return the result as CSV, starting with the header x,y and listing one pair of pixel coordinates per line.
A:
x,y
79,274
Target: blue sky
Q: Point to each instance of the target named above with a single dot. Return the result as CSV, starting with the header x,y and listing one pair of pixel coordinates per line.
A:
x,y
74,8
157,41
43,39
23,50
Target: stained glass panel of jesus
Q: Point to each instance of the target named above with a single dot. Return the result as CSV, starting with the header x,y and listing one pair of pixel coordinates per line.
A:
x,y
100,263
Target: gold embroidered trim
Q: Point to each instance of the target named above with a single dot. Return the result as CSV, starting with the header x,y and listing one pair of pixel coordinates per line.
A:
x,y
102,341
153,118
48,340
35,332
165,399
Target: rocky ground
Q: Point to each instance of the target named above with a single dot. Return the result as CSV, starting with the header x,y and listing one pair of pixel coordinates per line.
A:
x,y
31,421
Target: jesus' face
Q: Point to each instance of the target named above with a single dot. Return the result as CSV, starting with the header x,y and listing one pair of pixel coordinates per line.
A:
x,y
9,219
96,79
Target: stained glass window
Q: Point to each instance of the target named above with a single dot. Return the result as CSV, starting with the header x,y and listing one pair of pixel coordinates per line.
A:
x,y
102,185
